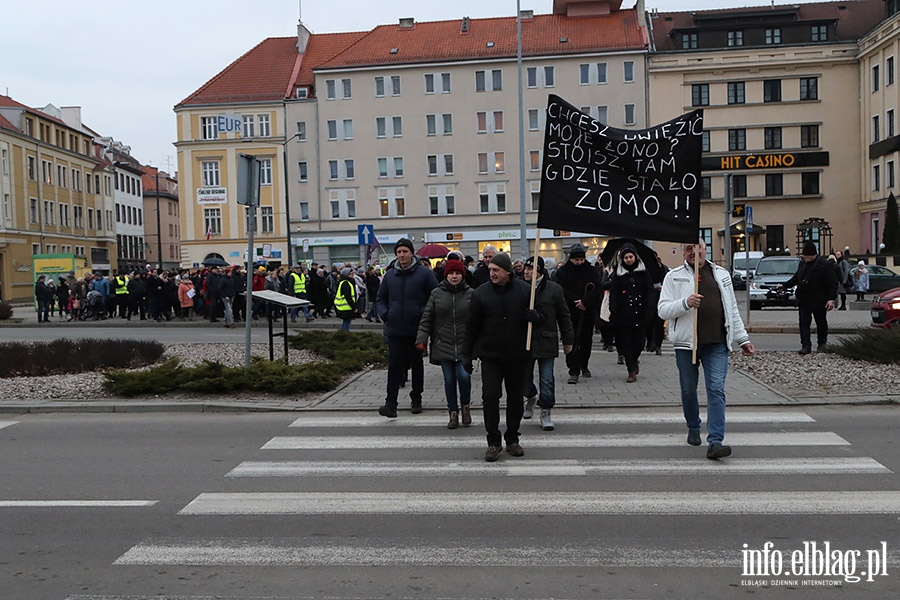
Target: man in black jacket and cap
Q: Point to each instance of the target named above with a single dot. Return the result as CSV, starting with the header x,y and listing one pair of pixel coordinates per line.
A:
x,y
496,328
581,283
816,293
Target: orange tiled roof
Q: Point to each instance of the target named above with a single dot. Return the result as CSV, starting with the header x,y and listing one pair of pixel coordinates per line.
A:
x,y
5,124
438,41
855,18
262,74
10,103
321,49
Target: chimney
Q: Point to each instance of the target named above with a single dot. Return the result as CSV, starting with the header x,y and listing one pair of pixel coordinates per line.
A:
x,y
302,37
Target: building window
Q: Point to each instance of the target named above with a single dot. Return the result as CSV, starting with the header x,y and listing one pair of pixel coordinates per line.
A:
x,y
392,202
737,139
447,118
739,186
603,114
397,123
540,77
704,141
533,119
379,87
303,171
330,90
346,89
342,203
398,166
492,197
301,131
876,178
210,173
349,169
629,71
736,92
445,83
772,90
265,171
395,85
247,128
809,88
889,173
772,138
535,159
890,123
380,127
429,83
876,128
689,41
535,195
773,36
430,125
601,72
480,85
629,114
700,94
441,200
809,182
705,188
267,218
212,220
304,211
889,71
809,136
735,38
495,82
348,129
498,121
818,33
332,129
876,78
208,128
497,79
332,170
774,184
33,213
584,73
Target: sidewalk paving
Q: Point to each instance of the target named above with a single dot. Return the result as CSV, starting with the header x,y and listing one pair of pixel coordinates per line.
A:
x,y
657,384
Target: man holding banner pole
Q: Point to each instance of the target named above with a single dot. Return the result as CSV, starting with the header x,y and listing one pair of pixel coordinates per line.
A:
x,y
705,320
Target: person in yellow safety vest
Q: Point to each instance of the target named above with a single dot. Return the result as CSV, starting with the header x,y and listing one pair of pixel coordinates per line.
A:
x,y
120,283
345,299
298,280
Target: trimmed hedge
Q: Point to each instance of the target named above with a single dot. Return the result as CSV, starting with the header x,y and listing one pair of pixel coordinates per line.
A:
x,y
26,359
342,353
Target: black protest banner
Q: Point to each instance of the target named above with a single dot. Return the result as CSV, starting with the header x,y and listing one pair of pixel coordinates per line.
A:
x,y
639,183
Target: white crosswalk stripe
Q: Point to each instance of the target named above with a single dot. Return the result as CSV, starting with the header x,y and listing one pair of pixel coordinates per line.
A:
x,y
559,468
7,424
335,442
579,418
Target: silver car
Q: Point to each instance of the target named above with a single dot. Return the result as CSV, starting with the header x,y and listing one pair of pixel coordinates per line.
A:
x,y
771,272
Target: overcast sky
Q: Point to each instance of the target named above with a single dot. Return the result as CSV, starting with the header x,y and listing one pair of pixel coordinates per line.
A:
x,y
128,64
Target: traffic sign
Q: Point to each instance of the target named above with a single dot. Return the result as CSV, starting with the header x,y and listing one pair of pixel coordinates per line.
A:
x,y
366,234
738,211
748,215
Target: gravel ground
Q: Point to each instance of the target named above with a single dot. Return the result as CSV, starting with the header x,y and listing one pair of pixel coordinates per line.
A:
x,y
795,375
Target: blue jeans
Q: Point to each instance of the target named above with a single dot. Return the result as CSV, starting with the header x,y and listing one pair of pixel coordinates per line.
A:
x,y
455,374
546,380
345,324
714,358
296,311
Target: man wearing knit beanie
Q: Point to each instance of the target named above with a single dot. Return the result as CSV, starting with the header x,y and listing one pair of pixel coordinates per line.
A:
x,y
496,328
581,283
402,296
816,291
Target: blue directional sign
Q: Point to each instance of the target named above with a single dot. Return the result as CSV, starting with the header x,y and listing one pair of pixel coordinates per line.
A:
x,y
748,214
366,234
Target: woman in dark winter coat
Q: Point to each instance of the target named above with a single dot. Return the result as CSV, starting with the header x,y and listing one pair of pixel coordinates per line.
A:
x,y
444,321
630,309
62,297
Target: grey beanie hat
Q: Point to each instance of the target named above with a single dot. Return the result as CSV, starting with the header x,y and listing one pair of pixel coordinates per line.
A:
x,y
503,261
577,251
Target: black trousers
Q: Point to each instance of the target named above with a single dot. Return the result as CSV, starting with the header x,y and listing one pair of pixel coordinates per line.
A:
x,y
629,343
494,374
577,359
403,355
806,316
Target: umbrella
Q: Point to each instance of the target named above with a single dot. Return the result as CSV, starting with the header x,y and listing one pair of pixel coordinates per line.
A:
x,y
646,254
433,251
215,261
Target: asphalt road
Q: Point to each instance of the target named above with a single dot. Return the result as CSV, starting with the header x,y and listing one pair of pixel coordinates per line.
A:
x,y
265,506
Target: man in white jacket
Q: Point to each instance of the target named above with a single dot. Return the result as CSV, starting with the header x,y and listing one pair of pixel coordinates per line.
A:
x,y
719,327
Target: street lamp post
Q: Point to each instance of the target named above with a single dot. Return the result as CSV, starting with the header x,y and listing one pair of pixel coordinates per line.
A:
x,y
287,200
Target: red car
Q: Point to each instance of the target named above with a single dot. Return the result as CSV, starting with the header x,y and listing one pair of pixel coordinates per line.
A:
x,y
886,309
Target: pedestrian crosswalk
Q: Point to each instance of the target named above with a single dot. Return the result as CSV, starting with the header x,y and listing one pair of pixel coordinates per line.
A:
x,y
7,424
615,465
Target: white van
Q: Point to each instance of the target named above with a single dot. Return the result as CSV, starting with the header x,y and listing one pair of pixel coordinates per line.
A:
x,y
741,264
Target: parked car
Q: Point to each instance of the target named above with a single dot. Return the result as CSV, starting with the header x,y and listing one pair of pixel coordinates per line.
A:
x,y
772,271
886,309
741,266
881,279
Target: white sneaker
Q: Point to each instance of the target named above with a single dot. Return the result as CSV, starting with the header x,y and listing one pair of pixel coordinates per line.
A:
x,y
529,407
546,421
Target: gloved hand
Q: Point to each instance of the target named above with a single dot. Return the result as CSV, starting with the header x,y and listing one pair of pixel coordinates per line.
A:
x,y
567,348
533,316
422,348
468,366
